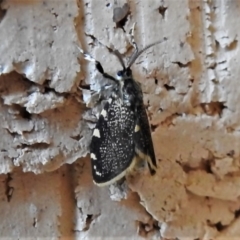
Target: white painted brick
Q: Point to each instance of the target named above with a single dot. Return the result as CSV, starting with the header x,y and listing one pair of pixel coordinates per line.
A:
x,y
190,84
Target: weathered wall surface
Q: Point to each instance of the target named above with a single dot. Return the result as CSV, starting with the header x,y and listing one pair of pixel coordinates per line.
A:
x,y
190,84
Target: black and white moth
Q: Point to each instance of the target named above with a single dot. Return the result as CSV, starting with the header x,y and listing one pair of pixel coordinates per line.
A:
x,y
122,134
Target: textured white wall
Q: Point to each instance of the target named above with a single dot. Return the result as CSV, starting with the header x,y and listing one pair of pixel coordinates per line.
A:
x,y
190,84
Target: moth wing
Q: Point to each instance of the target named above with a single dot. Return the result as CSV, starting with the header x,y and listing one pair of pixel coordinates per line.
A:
x,y
112,147
143,139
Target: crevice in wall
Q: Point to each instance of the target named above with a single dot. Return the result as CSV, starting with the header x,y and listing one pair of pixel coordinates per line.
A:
x,y
237,213
2,11
8,189
35,221
168,87
183,65
23,112
219,226
38,145
120,15
162,10
233,45
205,165
213,108
89,219
146,229
169,121
154,127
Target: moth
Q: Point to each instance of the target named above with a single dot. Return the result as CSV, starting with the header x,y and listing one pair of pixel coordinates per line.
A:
x,y
122,135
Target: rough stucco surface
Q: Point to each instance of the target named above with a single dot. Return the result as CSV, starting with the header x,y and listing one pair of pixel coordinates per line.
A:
x,y
190,84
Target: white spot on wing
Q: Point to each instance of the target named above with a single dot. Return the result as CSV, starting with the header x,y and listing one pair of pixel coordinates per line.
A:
x,y
104,113
96,133
93,156
137,128
110,100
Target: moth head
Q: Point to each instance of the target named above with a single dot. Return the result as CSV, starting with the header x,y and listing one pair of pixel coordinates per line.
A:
x,y
124,74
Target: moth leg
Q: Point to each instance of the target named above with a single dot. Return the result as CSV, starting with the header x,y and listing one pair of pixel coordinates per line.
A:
x,y
101,93
98,65
132,39
151,170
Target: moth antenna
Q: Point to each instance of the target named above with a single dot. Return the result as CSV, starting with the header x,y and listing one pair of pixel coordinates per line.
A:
x,y
118,55
137,54
98,65
133,43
